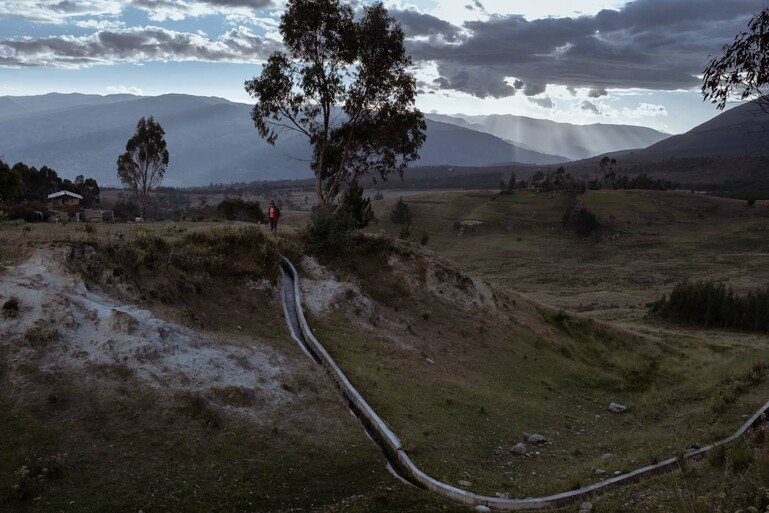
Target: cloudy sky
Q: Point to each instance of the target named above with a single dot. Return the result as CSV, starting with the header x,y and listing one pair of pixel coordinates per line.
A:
x,y
580,61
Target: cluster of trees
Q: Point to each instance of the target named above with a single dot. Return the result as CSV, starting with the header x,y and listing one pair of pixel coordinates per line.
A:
x,y
713,305
560,179
237,209
27,188
334,230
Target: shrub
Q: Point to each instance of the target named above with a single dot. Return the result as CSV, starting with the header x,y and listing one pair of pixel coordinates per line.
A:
x,y
751,202
424,239
713,305
11,308
330,234
89,228
400,214
28,212
354,205
40,334
578,217
125,210
237,209
406,231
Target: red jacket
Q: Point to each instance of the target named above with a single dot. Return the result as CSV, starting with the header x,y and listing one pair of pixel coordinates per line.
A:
x,y
273,213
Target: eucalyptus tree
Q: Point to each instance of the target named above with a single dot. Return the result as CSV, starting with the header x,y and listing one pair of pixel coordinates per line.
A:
x,y
743,69
343,83
145,161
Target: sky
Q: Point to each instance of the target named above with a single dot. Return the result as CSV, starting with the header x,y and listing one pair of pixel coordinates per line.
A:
x,y
636,62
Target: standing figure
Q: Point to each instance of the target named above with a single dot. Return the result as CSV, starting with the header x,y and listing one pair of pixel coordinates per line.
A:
x,y
273,214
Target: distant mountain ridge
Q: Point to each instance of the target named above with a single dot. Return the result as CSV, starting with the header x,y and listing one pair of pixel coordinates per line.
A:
x,y
210,139
551,137
742,131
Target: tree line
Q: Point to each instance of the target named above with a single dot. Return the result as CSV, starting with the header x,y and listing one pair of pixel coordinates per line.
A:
x,y
24,189
714,305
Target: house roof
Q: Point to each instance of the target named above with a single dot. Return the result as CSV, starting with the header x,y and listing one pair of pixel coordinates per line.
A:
x,y
64,193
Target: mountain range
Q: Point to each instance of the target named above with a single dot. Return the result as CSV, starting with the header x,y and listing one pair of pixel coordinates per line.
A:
x,y
209,139
213,140
572,141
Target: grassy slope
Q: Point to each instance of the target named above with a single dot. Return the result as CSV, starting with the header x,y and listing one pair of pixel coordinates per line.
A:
x,y
460,386
103,441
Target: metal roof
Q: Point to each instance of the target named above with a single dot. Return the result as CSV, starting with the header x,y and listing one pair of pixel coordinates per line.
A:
x,y
64,193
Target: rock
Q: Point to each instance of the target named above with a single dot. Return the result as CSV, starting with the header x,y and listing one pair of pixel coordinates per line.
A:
x,y
464,483
481,507
122,322
599,471
520,448
607,456
586,506
537,439
509,475
617,408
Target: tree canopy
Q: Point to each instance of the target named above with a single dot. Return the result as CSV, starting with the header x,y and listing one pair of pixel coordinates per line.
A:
x,y
143,165
743,69
343,83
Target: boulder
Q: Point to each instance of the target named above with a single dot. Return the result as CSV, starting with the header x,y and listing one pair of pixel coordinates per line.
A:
x,y
520,448
617,408
585,507
536,439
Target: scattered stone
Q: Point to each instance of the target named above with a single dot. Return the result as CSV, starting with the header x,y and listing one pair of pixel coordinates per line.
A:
x,y
509,475
481,507
617,408
464,483
599,471
122,322
520,448
607,456
537,439
585,507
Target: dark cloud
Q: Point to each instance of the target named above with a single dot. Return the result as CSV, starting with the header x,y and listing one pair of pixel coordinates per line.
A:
x,y
655,44
590,107
418,24
134,45
545,102
597,92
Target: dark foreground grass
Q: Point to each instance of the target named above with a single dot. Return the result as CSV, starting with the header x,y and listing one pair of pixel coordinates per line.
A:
x,y
92,453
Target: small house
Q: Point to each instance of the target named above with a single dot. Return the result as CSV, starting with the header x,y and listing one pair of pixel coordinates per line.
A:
x,y
64,205
64,199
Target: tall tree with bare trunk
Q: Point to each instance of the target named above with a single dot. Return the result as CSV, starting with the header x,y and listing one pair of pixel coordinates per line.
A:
x,y
143,165
344,84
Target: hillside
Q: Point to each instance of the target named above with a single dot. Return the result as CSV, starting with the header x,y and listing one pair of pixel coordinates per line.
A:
x,y
210,139
545,136
739,132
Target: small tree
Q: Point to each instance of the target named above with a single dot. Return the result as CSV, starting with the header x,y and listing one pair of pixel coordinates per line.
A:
x,y
400,214
355,205
344,85
509,187
143,165
743,69
11,185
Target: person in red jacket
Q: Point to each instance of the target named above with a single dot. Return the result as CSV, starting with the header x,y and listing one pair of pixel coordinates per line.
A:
x,y
273,214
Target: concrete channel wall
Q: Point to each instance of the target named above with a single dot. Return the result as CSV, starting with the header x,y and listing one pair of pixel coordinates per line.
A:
x,y
405,467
